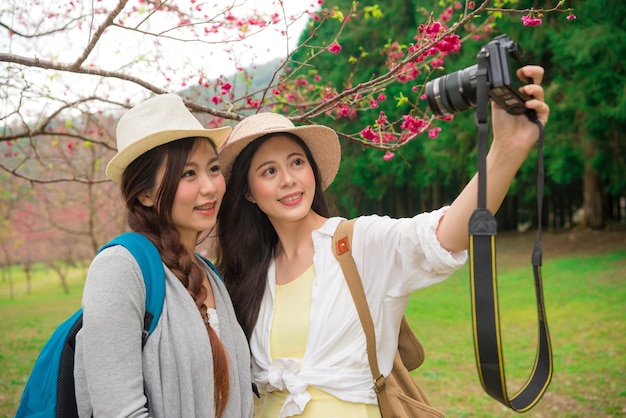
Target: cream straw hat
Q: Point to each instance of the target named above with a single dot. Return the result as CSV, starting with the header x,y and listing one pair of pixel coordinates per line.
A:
x,y
322,141
157,121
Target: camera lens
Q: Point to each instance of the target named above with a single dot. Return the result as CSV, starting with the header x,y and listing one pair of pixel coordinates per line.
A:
x,y
452,93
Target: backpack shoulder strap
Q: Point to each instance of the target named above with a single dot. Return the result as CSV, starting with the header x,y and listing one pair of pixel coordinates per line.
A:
x,y
151,265
211,266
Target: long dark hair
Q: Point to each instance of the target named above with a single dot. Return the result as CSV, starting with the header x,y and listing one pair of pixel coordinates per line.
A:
x,y
156,223
246,237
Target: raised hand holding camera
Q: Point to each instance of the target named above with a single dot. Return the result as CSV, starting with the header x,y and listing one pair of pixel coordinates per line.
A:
x,y
514,136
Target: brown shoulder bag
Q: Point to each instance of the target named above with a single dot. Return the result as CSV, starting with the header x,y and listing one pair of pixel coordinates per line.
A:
x,y
398,394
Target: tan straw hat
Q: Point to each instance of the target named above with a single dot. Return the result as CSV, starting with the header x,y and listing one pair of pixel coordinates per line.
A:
x,y
322,141
157,121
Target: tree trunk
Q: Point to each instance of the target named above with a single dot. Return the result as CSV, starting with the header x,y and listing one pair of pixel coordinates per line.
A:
x,y
592,199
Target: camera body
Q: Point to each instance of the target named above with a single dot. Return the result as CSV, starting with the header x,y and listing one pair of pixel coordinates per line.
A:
x,y
456,92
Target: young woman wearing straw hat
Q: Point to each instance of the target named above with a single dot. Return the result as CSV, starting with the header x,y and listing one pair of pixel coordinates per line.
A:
x,y
275,254
196,362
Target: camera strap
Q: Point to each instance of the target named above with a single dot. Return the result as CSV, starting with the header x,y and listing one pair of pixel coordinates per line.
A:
x,y
483,280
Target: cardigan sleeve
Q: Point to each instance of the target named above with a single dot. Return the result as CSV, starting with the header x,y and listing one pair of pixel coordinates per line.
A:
x,y
110,340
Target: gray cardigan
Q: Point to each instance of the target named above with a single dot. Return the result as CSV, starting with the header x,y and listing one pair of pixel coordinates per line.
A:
x,y
175,365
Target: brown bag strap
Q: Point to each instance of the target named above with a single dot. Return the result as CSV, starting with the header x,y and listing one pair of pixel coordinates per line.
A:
x,y
342,248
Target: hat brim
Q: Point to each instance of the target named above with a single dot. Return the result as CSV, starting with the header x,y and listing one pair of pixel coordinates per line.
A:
x,y
123,158
322,141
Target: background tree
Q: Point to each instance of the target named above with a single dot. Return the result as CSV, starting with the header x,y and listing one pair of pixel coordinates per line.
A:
x,y
588,76
585,95
417,176
70,69
584,150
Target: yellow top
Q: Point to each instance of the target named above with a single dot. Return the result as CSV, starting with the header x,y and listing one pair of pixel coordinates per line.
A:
x,y
288,338
290,323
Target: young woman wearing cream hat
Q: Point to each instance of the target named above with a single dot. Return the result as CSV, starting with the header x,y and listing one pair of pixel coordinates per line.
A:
x,y
196,362
274,231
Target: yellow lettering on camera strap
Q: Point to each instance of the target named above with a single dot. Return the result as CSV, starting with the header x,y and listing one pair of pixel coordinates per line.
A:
x,y
483,278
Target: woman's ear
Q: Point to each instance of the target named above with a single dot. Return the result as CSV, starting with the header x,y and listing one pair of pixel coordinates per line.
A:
x,y
147,198
248,196
250,199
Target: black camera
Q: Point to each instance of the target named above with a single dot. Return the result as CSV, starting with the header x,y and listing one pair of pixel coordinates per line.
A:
x,y
456,92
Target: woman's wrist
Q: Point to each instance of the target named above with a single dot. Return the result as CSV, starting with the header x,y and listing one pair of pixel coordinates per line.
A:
x,y
509,158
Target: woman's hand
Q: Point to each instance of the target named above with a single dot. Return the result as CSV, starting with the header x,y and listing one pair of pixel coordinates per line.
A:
x,y
516,132
514,137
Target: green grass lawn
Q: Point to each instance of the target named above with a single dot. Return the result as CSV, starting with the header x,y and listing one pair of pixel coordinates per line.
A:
x,y
586,310
26,323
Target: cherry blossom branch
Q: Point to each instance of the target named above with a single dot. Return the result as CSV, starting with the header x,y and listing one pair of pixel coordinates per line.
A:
x,y
96,36
381,80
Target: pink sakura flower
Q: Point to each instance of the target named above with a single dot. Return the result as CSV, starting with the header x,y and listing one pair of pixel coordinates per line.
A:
x,y
407,73
382,119
571,16
373,103
335,48
388,155
434,133
369,134
216,99
446,15
252,102
276,92
530,20
412,125
451,43
344,109
436,62
382,97
317,78
405,137
226,87
431,30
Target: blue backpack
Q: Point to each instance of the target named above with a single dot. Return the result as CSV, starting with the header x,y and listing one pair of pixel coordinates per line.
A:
x,y
49,391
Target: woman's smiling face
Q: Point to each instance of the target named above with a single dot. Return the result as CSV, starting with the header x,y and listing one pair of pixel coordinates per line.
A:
x,y
198,195
281,180
200,192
